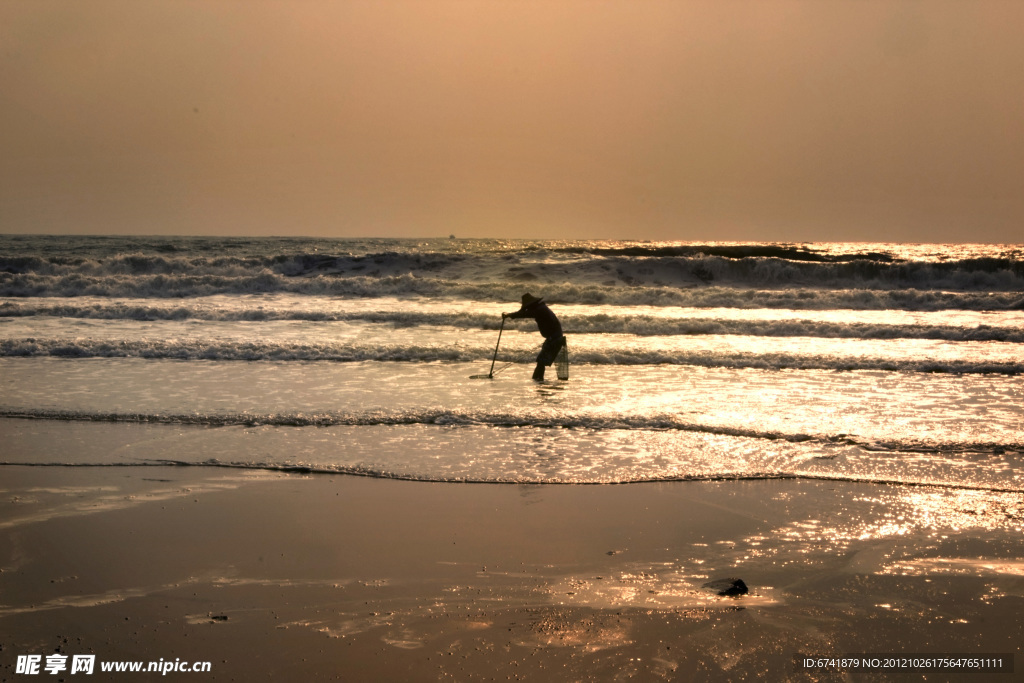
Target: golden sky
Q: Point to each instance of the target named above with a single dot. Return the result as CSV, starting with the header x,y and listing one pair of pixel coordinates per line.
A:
x,y
897,120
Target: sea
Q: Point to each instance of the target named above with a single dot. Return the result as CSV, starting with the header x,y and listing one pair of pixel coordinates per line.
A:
x,y
889,363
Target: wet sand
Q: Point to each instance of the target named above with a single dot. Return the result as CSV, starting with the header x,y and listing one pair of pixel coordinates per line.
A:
x,y
272,576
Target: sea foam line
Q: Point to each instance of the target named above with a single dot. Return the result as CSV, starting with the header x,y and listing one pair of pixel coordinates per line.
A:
x,y
361,471
557,287
470,418
640,325
626,355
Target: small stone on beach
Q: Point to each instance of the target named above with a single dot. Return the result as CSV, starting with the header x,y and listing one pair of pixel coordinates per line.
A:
x,y
728,586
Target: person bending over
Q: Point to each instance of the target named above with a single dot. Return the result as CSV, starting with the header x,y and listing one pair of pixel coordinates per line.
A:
x,y
549,327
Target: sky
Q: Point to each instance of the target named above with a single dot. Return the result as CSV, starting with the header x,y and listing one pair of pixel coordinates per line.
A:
x,y
767,120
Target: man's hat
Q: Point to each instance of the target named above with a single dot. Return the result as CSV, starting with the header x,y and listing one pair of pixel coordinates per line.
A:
x,y
530,299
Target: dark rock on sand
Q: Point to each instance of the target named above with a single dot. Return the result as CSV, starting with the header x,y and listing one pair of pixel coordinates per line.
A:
x,y
727,586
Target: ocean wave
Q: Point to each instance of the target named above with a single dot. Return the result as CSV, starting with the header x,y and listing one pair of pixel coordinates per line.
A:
x,y
563,290
629,355
788,252
476,418
381,473
641,325
168,274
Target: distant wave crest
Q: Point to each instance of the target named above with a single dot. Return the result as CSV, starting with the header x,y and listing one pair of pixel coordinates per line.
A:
x,y
594,273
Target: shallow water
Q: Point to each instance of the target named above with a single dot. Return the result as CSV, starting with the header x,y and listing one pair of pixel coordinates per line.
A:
x,y
889,363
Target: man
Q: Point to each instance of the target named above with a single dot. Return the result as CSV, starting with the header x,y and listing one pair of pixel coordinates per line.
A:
x,y
549,327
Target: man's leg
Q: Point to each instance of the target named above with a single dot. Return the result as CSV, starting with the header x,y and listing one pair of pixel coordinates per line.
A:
x,y
538,372
544,358
547,355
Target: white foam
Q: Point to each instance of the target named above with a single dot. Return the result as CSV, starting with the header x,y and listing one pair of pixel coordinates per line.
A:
x,y
576,319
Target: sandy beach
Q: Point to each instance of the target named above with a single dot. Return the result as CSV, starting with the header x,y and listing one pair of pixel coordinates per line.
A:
x,y
272,576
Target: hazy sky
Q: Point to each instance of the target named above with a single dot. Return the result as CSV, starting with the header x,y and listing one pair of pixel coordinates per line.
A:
x,y
691,120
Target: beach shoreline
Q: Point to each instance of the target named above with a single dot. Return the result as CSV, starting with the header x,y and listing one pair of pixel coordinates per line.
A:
x,y
275,575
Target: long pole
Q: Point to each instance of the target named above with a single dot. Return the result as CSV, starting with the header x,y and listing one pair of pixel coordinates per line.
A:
x,y
491,373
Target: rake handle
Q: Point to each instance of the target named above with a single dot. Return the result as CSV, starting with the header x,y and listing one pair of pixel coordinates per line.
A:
x,y
500,330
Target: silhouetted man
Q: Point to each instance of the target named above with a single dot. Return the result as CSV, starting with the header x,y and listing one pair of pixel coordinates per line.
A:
x,y
549,327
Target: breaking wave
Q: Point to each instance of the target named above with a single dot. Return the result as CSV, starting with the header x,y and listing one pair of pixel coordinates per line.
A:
x,y
563,290
618,273
285,351
643,325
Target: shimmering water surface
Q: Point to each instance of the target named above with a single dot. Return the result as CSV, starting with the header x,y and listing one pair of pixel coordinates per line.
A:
x,y
844,361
